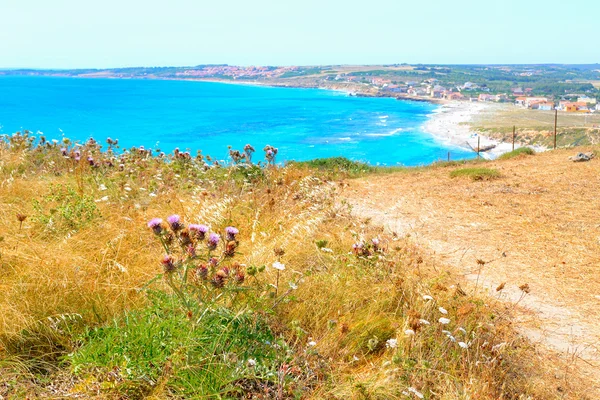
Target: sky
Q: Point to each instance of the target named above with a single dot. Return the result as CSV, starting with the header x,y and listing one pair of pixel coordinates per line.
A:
x,y
121,33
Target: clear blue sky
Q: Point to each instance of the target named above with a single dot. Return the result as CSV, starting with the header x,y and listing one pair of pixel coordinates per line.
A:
x,y
114,33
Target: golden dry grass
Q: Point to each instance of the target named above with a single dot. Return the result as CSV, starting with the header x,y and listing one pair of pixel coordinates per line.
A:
x,y
96,272
537,224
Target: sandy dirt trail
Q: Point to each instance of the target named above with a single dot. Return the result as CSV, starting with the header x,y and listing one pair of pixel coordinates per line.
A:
x,y
539,224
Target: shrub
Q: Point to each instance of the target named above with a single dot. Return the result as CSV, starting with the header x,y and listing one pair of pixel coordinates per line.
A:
x,y
476,174
337,164
522,151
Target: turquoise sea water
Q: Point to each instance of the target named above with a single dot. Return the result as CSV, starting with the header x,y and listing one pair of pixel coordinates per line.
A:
x,y
302,123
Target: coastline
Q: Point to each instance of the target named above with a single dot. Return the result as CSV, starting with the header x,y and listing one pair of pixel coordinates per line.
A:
x,y
449,124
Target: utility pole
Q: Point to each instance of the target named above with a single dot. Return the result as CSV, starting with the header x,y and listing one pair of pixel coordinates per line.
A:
x,y
478,139
555,124
514,129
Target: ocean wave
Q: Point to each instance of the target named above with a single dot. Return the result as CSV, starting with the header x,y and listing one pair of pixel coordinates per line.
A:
x,y
383,134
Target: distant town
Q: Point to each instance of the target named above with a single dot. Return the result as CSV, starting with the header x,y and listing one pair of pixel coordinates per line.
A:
x,y
567,88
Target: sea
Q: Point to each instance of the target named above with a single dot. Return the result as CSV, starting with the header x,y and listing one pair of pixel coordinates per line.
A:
x,y
303,124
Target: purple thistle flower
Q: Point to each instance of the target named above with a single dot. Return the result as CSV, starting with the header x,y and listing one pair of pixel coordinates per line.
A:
x,y
214,261
156,225
174,222
168,264
63,151
231,232
213,241
199,231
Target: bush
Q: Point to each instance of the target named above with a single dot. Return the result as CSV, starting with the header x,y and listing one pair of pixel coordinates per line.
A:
x,y
516,153
476,174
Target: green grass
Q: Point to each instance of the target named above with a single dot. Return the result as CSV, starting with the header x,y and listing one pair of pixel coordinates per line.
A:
x,y
336,165
163,348
476,174
516,153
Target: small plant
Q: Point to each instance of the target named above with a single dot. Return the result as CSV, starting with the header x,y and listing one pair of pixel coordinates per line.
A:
x,y
522,151
476,174
64,208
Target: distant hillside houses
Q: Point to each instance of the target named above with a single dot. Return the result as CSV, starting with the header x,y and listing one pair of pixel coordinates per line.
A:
x,y
492,97
570,106
586,99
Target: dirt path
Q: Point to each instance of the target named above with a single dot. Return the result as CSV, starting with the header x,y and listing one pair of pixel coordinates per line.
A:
x,y
539,224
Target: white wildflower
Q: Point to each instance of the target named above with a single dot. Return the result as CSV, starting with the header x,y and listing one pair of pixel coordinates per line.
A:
x,y
152,195
102,187
409,332
312,343
452,338
444,321
391,343
424,322
293,286
326,250
251,363
127,188
463,330
427,297
443,310
463,345
279,266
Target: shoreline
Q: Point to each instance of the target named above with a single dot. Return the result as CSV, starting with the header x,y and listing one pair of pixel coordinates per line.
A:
x,y
449,125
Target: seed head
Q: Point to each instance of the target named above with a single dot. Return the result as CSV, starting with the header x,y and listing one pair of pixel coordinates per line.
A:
x,y
21,217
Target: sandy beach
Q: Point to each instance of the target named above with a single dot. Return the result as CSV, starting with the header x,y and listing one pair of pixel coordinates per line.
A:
x,y
449,125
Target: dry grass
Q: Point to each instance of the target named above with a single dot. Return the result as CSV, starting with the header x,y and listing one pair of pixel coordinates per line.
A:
x,y
537,127
535,225
348,305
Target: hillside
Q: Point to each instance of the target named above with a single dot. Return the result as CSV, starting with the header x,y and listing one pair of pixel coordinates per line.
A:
x,y
127,275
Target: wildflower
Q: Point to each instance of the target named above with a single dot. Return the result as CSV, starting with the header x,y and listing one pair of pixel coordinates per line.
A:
x,y
168,264
463,330
251,363
175,222
239,277
312,343
156,225
278,266
213,261
63,150
230,248
279,251
427,297
185,238
102,187
409,332
218,280
444,321
198,231
21,217
463,345
293,286
424,322
231,232
326,250
202,272
213,241
191,250
443,310
391,343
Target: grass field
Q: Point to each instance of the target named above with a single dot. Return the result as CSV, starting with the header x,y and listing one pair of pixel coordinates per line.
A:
x,y
256,282
537,127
